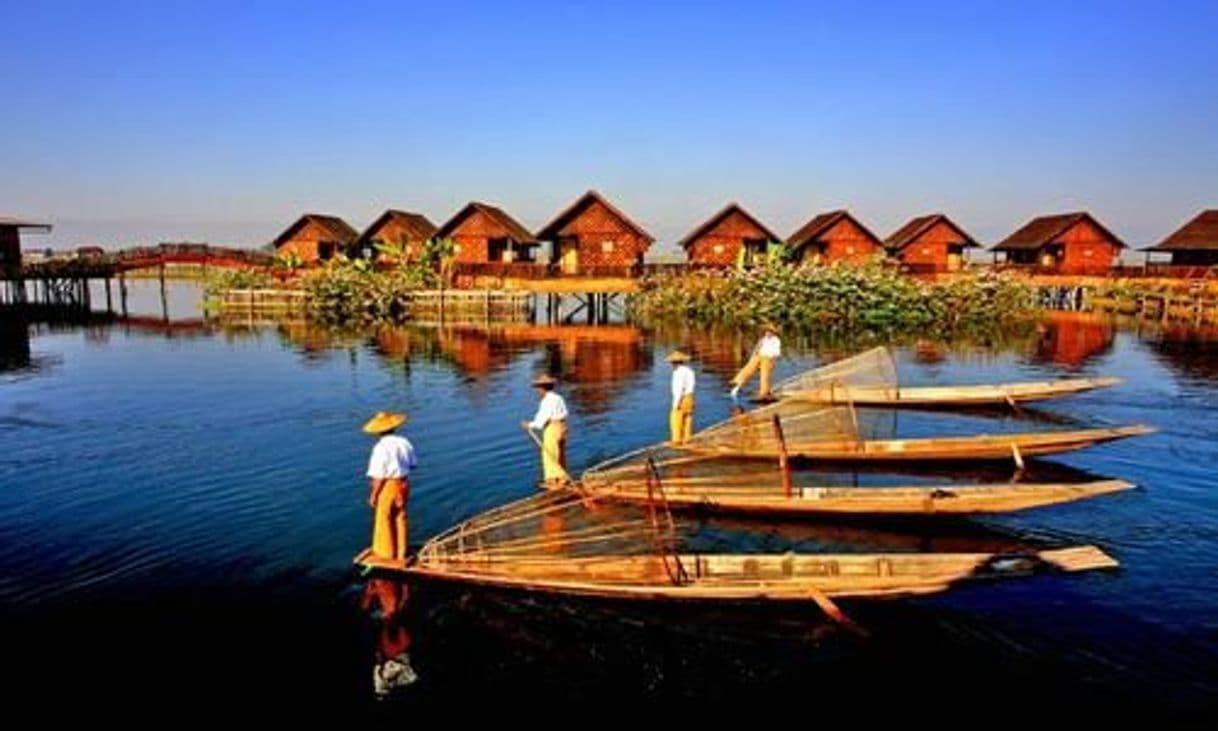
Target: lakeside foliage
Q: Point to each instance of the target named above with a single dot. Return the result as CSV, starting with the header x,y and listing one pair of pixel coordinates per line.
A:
x,y
839,299
222,280
355,291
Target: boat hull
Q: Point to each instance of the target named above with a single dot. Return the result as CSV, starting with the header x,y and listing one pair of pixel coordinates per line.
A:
x,y
742,577
974,396
875,501
971,448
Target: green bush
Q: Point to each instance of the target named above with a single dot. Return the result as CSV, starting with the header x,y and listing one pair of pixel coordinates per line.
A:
x,y
355,291
226,279
838,299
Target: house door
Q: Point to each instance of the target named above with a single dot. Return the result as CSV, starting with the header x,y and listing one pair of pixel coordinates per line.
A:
x,y
568,256
955,260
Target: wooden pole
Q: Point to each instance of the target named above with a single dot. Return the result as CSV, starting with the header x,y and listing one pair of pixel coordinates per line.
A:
x,y
784,464
164,295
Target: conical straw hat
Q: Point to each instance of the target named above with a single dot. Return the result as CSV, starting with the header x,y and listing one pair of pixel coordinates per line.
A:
x,y
384,421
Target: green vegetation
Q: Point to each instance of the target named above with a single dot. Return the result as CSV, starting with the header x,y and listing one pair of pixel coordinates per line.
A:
x,y
222,280
873,300
354,291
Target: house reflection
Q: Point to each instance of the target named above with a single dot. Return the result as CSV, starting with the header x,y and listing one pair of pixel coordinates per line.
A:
x,y
595,361
1189,350
1073,338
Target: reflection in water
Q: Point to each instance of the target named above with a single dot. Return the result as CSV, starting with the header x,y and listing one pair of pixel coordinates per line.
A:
x,y
1190,351
1074,338
600,359
386,602
280,510
14,343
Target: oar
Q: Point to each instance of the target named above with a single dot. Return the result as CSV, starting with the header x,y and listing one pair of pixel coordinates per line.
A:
x,y
834,612
566,475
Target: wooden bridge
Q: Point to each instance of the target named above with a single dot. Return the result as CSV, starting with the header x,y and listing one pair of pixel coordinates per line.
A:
x,y
64,279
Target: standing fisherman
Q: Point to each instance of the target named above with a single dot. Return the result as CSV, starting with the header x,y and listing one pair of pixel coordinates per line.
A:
x,y
767,350
681,418
551,420
389,480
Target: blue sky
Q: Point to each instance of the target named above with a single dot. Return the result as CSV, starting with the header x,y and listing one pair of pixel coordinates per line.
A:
x,y
130,122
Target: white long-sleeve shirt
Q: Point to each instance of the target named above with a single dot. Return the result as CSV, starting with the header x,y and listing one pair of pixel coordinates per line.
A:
x,y
769,347
551,408
393,456
682,383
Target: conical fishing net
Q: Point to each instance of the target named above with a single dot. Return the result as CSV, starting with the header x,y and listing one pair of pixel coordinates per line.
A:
x,y
764,432
564,533
872,373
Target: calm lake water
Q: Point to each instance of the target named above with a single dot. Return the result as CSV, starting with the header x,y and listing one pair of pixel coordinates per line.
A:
x,y
180,505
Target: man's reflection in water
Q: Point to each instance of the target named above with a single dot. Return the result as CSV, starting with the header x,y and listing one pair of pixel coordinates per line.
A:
x,y
392,670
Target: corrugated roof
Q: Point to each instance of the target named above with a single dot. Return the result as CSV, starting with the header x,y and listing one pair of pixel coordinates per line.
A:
x,y
10,222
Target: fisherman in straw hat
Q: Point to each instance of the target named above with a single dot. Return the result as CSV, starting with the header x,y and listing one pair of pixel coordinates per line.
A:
x,y
681,417
551,421
767,350
389,479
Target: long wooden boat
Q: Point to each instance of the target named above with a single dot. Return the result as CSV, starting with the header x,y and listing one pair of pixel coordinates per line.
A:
x,y
976,396
773,500
740,577
977,447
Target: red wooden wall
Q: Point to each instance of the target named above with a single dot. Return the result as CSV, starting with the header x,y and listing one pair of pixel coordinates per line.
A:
x,y
304,243
1087,249
844,241
719,245
472,237
932,246
396,233
604,239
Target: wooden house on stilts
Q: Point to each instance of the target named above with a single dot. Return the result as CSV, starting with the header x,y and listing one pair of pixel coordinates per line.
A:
x,y
1066,243
731,236
592,237
484,234
930,244
1195,244
315,237
402,231
835,236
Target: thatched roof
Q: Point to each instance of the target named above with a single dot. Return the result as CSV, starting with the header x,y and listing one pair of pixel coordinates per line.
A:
x,y
418,227
909,233
1045,230
339,230
511,226
550,231
814,229
714,220
1199,234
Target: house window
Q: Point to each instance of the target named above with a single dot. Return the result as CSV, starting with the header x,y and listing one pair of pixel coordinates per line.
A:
x,y
456,248
717,248
607,247
925,251
1086,252
849,250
